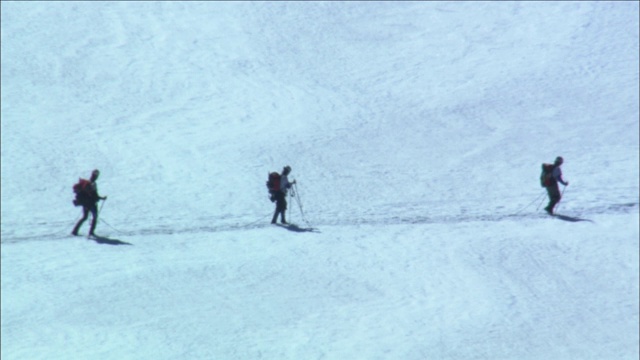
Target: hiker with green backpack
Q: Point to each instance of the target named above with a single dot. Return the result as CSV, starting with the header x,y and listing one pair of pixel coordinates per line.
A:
x,y
551,176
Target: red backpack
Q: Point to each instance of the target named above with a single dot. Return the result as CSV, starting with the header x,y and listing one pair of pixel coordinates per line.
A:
x,y
546,178
82,189
273,183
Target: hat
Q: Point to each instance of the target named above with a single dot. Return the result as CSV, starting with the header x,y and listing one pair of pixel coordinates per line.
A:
x,y
559,160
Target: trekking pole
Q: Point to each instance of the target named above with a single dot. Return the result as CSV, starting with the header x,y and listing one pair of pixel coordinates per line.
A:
x,y
290,194
293,193
100,210
529,204
540,204
77,218
101,219
249,225
299,201
109,225
561,194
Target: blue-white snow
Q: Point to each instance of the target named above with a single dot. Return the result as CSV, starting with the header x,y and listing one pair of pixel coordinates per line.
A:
x,y
415,131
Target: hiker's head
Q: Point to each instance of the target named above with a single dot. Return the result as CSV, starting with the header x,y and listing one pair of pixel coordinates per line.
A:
x,y
94,174
559,160
286,170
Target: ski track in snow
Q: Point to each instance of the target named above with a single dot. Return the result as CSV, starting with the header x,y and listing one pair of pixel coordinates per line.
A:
x,y
574,215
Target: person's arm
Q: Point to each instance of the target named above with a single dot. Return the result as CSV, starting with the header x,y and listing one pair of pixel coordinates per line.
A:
x,y
284,183
95,192
557,174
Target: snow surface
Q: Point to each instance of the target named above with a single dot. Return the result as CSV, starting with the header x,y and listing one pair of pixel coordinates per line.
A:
x,y
415,131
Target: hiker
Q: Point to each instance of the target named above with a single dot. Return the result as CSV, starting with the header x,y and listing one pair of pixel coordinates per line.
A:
x,y
87,197
552,184
280,195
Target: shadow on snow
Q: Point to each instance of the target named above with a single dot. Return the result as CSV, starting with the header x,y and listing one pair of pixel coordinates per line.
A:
x,y
108,241
570,218
296,228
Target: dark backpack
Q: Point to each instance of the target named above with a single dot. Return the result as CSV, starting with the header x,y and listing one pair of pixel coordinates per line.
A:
x,y
273,184
546,178
82,189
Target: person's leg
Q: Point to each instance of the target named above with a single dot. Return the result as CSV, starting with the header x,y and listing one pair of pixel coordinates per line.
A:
x,y
549,203
94,220
85,214
554,198
279,200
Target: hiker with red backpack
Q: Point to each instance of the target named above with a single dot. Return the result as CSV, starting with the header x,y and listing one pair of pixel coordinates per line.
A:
x,y
278,186
551,176
87,197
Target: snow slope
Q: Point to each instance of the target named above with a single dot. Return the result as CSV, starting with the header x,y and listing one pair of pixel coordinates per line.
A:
x,y
415,131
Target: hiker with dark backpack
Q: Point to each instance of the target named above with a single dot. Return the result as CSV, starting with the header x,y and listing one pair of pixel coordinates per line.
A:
x,y
278,186
549,179
87,196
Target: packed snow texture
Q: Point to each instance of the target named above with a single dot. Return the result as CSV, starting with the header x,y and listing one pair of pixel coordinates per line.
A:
x,y
416,133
